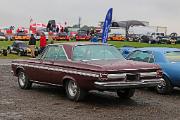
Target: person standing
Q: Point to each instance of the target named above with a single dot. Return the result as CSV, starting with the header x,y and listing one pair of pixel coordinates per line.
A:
x,y
42,42
32,44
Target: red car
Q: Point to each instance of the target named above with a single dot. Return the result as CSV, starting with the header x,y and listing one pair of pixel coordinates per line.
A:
x,y
82,36
83,66
61,36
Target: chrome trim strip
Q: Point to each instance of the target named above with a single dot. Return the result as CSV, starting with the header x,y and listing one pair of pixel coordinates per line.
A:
x,y
65,52
59,70
147,68
115,76
149,74
45,83
130,69
123,75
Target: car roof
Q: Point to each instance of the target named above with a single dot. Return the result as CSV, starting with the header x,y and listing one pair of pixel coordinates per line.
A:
x,y
159,49
80,43
19,41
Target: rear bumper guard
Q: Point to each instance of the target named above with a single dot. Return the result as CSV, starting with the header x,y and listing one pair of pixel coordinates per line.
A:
x,y
129,84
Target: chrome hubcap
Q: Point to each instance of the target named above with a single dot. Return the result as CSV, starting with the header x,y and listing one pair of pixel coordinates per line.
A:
x,y
22,79
72,88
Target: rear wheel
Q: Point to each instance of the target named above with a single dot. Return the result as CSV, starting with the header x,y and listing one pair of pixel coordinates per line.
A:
x,y
125,93
165,87
5,52
73,91
23,80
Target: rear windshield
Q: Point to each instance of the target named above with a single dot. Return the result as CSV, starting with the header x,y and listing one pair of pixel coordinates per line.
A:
x,y
96,52
173,56
1,34
62,34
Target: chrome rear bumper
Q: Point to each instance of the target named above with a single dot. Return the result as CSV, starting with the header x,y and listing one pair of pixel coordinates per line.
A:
x,y
130,84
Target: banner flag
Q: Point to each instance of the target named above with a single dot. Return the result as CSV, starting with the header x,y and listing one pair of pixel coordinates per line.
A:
x,y
106,25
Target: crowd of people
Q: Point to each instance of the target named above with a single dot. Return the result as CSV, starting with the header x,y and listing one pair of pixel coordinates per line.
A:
x,y
32,44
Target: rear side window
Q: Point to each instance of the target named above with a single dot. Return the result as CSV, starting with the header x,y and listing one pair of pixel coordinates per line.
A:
x,y
55,53
143,56
173,56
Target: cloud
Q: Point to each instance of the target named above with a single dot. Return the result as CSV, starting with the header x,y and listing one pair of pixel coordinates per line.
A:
x,y
157,12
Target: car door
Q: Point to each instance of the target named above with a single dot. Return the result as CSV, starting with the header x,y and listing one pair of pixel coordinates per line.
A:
x,y
15,47
60,59
49,71
45,64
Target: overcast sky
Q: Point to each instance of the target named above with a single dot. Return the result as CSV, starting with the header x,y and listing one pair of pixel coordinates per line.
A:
x,y
157,12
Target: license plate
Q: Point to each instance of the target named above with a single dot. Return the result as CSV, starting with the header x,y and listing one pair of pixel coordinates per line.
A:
x,y
132,77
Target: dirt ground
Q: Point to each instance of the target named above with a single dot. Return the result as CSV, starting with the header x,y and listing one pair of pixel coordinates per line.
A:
x,y
50,103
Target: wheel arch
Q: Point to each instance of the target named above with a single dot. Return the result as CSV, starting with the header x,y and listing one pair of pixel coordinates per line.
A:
x,y
65,79
168,77
18,69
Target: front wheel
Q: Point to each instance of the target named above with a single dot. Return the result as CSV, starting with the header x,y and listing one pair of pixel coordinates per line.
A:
x,y
125,93
19,53
165,87
23,80
74,92
8,50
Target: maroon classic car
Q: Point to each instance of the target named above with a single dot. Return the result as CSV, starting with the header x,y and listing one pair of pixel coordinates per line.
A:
x,y
83,66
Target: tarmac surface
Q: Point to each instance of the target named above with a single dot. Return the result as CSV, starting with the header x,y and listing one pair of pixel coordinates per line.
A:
x,y
50,103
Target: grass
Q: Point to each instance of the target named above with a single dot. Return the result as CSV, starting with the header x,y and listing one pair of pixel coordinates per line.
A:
x,y
139,45
13,56
5,44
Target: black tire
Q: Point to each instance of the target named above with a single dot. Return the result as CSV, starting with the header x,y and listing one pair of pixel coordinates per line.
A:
x,y
125,93
77,94
166,87
23,80
19,53
5,52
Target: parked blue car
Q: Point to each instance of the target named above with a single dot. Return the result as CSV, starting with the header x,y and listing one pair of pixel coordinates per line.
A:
x,y
169,61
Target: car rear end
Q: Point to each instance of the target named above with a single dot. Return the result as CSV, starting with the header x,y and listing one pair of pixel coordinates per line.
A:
x,y
129,79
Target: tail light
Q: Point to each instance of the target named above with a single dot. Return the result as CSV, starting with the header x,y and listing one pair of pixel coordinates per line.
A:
x,y
159,73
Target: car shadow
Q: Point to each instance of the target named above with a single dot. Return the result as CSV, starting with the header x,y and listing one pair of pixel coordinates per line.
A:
x,y
175,92
47,89
94,98
109,99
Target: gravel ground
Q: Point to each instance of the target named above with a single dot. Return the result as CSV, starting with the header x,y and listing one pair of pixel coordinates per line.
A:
x,y
50,103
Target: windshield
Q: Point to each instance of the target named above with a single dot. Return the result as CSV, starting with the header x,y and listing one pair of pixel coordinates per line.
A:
x,y
1,34
21,34
96,52
62,34
173,56
81,34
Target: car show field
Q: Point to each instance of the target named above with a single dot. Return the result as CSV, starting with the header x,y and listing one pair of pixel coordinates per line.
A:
x,y
118,44
90,60
50,103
